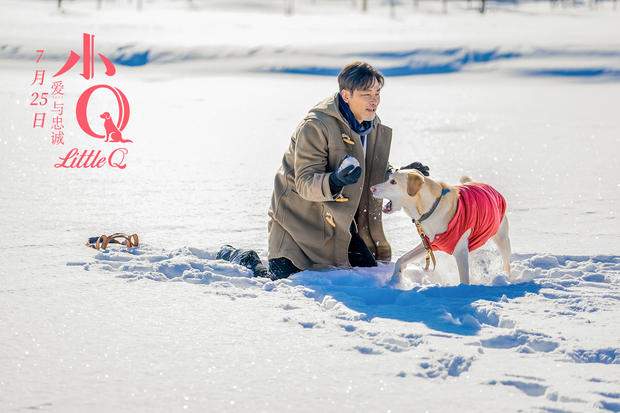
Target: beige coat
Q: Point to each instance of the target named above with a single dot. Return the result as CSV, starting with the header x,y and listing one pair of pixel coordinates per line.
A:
x,y
307,225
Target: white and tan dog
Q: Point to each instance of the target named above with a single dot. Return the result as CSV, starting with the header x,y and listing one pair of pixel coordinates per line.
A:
x,y
457,219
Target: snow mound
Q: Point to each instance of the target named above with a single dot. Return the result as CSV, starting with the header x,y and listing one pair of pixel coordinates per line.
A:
x,y
577,284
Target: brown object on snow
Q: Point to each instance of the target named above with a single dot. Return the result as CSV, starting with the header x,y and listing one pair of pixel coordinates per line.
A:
x,y
102,241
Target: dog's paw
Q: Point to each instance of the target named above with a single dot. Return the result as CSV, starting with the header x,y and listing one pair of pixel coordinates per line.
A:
x,y
394,280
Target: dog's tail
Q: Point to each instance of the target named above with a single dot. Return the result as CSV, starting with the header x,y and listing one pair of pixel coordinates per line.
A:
x,y
464,179
125,140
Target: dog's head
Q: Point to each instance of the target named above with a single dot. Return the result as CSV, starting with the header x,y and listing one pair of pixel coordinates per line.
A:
x,y
401,184
105,115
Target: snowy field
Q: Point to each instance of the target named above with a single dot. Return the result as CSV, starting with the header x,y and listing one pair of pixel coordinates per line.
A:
x,y
525,98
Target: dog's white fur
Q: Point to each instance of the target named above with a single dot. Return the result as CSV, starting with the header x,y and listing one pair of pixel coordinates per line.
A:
x,y
410,190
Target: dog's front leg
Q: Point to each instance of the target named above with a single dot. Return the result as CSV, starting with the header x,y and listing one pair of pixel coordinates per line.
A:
x,y
403,261
461,254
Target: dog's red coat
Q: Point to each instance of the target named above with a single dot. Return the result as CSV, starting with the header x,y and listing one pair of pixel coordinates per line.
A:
x,y
481,208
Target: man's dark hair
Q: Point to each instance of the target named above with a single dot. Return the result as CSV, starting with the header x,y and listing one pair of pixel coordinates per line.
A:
x,y
358,76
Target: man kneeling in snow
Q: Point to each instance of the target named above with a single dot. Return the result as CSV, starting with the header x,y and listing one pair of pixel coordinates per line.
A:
x,y
322,214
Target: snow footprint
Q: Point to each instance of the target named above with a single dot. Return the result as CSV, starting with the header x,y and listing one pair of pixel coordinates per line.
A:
x,y
394,343
531,388
525,342
603,356
447,366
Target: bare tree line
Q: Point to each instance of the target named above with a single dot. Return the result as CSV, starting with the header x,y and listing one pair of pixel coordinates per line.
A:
x,y
363,5
139,3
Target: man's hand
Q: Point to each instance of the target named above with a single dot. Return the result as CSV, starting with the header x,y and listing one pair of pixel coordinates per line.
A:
x,y
346,176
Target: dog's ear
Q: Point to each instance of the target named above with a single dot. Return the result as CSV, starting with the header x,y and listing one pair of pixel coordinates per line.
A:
x,y
414,182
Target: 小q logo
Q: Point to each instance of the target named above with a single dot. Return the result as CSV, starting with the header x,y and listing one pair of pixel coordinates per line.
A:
x,y
112,128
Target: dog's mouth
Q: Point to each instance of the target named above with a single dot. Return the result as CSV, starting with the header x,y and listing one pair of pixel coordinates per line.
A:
x,y
387,207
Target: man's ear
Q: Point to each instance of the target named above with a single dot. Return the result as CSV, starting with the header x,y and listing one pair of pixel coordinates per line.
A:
x,y
414,182
346,95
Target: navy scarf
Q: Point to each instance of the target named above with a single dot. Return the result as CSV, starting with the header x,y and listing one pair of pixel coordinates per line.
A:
x,y
363,129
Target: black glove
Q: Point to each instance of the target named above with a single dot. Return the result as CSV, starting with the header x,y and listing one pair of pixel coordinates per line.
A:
x,y
389,171
347,176
419,166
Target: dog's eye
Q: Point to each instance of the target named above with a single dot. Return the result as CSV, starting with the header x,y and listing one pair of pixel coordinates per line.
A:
x,y
393,181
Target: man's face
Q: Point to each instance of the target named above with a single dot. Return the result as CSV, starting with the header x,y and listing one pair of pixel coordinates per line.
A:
x,y
363,103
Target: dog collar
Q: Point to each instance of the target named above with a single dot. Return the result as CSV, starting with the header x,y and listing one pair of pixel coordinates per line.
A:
x,y
427,214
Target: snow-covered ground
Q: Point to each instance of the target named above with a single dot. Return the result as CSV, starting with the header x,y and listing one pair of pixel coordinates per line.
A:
x,y
525,98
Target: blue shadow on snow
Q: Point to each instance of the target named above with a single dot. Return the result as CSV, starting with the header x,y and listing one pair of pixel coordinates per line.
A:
x,y
446,309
